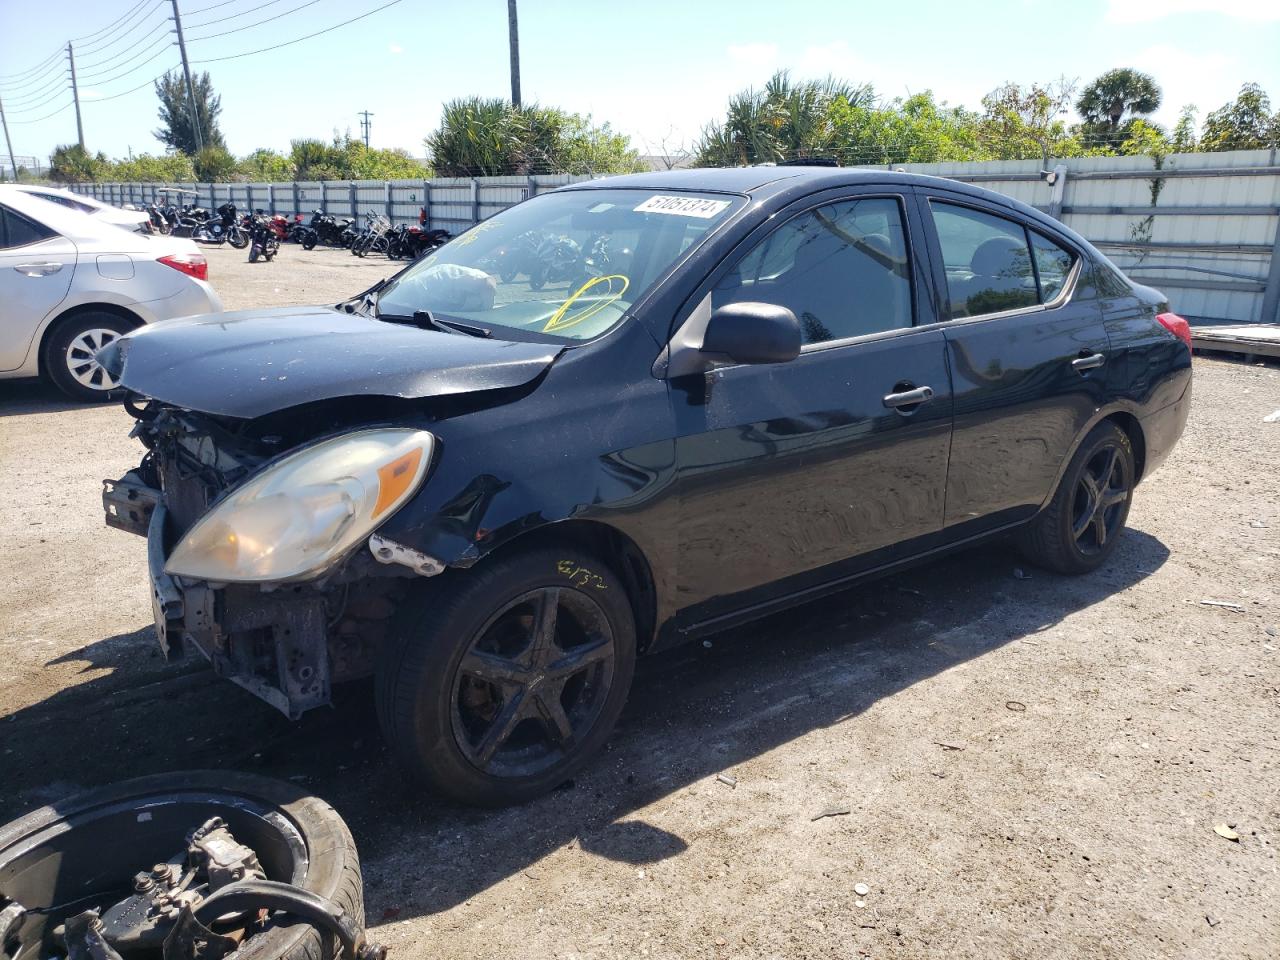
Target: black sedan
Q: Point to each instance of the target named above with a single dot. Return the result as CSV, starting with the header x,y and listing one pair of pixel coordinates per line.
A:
x,y
621,415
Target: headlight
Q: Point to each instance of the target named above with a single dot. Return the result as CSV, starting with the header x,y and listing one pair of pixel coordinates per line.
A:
x,y
304,512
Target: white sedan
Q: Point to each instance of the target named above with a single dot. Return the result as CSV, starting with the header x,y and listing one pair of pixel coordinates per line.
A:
x,y
129,219
70,284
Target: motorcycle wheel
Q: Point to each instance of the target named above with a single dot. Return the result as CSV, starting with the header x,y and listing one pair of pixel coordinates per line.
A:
x,y
254,252
309,240
238,237
538,278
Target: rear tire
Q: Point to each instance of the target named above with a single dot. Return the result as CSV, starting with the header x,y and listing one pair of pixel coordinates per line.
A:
x,y
68,354
555,691
1080,527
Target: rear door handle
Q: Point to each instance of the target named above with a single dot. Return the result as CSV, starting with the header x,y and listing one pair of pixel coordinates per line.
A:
x,y
38,269
909,398
1088,362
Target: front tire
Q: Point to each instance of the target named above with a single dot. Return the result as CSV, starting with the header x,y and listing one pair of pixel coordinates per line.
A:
x,y
69,355
1078,530
497,684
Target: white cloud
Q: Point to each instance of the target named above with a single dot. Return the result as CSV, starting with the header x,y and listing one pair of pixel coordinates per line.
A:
x,y
396,48
1207,79
1144,11
754,55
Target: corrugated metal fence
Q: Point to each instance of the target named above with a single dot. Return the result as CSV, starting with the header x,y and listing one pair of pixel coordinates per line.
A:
x,y
1204,227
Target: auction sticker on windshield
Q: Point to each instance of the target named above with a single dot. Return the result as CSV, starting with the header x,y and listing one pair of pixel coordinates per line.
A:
x,y
683,206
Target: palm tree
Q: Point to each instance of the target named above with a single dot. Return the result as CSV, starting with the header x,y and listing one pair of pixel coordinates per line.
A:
x,y
1105,102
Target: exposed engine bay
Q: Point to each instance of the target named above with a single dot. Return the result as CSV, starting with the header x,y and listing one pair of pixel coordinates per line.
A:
x,y
285,642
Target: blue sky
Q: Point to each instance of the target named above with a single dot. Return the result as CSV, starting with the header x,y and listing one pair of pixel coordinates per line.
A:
x,y
658,70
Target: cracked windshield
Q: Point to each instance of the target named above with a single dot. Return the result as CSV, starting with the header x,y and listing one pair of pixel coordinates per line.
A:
x,y
566,265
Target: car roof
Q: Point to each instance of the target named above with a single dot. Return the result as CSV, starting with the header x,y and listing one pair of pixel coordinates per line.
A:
x,y
73,224
785,183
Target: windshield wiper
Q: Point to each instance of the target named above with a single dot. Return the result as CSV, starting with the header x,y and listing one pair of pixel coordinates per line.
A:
x,y
426,320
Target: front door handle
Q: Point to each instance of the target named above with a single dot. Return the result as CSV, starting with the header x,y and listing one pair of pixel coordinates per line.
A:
x,y
909,398
1087,362
38,269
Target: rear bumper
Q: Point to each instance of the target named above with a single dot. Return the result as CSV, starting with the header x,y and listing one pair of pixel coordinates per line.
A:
x,y
1161,430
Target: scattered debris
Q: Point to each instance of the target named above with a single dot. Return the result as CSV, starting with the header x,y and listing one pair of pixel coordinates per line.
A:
x,y
859,903
861,889
948,746
1272,417
1224,604
1020,574
1257,524
1017,706
1271,631
727,780
835,811
1226,833
1211,920
721,942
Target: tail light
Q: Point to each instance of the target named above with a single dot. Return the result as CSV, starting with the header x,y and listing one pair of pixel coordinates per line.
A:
x,y
192,264
1177,326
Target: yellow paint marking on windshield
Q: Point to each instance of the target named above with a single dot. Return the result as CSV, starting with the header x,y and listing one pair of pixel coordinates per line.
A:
x,y
558,319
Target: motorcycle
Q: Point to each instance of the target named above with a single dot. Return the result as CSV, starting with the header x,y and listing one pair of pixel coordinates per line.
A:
x,y
225,229
159,222
326,229
520,256
264,242
557,259
409,243
373,238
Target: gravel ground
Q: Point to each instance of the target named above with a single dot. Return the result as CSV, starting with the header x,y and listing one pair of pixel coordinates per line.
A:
x,y
1032,768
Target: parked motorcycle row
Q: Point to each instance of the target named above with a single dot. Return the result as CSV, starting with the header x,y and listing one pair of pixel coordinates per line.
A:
x,y
551,258
263,233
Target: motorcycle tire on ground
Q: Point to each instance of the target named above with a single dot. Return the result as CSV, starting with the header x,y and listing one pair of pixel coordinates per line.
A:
x,y
309,240
538,278
254,252
238,237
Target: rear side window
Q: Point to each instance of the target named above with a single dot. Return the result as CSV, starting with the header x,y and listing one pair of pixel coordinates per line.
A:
x,y
842,269
987,261
1052,266
17,231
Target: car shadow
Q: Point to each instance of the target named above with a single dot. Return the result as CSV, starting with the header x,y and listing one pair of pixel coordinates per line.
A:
x,y
693,713
27,396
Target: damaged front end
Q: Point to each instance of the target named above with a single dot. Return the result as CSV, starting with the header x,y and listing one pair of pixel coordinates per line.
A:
x,y
257,546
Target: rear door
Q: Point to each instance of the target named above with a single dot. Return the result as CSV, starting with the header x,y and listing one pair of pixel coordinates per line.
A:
x,y
792,475
1027,357
36,266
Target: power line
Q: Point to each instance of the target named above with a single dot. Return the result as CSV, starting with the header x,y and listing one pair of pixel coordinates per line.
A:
x,y
287,43
31,107
212,6
35,69
158,52
49,72
128,21
124,56
250,26
129,12
116,96
233,16
46,116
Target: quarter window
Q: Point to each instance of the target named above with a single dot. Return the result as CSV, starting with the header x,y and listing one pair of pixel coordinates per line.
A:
x,y
842,269
993,264
17,231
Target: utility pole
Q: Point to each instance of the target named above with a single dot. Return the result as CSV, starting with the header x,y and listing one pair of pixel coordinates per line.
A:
x,y
75,93
364,125
513,36
8,143
186,71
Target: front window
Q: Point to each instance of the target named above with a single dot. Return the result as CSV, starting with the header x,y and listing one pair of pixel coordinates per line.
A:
x,y
564,265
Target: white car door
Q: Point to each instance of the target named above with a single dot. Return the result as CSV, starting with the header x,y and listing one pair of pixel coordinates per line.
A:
x,y
36,266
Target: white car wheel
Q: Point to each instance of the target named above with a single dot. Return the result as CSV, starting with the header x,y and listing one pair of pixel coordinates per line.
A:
x,y
82,361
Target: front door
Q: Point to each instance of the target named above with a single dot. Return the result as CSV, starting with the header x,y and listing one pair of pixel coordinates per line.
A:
x,y
36,266
789,475
1027,360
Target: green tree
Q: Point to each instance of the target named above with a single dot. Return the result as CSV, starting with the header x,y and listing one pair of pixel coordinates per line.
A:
x,y
915,130
1019,123
1112,100
169,168
73,164
176,130
481,137
214,164
785,120
266,165
1183,139
1244,124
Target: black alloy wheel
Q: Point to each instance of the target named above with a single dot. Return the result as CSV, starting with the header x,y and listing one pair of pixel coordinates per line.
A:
x,y
496,684
1080,526
533,682
1100,498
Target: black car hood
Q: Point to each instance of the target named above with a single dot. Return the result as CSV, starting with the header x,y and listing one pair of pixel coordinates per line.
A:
x,y
254,362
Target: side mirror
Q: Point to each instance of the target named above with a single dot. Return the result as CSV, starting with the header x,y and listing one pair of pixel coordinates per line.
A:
x,y
752,333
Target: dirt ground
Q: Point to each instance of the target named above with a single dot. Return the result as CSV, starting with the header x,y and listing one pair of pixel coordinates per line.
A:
x,y
1033,767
